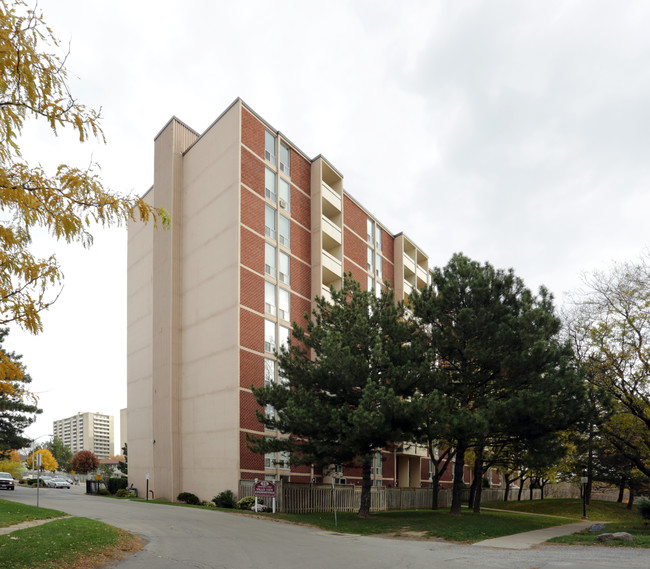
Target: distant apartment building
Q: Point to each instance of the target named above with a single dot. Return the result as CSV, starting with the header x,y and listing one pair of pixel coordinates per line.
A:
x,y
258,229
86,431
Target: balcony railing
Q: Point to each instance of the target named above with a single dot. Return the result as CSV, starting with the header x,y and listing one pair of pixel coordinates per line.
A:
x,y
331,196
331,229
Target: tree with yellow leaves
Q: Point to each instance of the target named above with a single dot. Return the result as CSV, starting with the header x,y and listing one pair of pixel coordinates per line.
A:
x,y
67,202
48,462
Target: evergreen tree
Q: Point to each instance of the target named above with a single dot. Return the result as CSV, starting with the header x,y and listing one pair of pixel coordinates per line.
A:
x,y
123,465
18,409
347,377
499,365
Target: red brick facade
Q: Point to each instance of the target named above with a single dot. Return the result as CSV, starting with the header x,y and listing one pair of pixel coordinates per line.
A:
x,y
252,278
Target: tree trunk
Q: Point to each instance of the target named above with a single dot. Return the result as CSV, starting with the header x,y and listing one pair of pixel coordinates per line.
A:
x,y
472,494
459,468
531,487
521,488
435,493
366,485
507,490
478,480
630,501
621,490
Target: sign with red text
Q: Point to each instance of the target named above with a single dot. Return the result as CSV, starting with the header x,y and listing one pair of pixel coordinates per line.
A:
x,y
264,489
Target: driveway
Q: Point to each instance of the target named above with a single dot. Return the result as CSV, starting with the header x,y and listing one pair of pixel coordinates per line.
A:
x,y
184,538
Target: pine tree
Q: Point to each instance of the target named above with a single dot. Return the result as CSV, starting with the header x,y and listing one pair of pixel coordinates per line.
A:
x,y
347,377
499,368
18,409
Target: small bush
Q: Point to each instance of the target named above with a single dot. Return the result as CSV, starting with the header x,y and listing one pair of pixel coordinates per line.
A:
x,y
116,483
189,498
644,509
248,502
225,499
103,492
123,493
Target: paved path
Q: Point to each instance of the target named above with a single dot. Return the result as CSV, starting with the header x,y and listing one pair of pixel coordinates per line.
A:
x,y
30,524
190,538
528,539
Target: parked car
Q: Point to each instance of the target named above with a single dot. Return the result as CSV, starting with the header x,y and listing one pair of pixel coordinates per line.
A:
x,y
58,483
6,481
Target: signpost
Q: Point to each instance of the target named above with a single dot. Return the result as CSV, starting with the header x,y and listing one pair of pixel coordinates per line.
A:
x,y
264,489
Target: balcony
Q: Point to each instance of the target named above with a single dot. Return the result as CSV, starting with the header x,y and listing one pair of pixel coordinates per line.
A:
x,y
331,197
409,265
331,230
331,264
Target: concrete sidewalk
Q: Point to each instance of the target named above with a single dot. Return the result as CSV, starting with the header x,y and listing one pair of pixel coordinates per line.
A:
x,y
29,524
528,539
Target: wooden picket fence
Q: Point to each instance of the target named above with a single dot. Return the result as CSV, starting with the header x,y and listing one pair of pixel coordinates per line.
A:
x,y
308,498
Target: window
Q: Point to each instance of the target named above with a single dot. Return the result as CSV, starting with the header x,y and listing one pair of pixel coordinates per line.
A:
x,y
269,260
284,159
378,288
377,464
269,372
269,298
269,336
285,265
269,222
283,459
269,460
371,261
269,147
284,337
269,413
379,265
284,305
378,241
371,283
285,232
370,224
269,184
285,195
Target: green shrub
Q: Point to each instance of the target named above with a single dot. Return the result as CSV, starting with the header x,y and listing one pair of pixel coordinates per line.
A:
x,y
103,492
225,499
248,502
123,493
644,509
116,483
485,483
189,498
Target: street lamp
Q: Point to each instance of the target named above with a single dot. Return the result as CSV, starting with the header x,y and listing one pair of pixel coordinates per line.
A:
x,y
584,481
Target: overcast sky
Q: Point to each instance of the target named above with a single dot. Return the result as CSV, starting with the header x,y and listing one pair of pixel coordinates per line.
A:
x,y
516,132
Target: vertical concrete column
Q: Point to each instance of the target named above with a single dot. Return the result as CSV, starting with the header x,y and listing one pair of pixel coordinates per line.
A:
x,y
168,191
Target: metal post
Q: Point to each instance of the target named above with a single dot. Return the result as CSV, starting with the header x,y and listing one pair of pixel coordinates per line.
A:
x,y
584,481
38,477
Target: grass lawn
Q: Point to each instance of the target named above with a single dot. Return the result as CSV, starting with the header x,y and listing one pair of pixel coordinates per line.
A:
x,y
467,528
72,542
12,513
618,516
598,510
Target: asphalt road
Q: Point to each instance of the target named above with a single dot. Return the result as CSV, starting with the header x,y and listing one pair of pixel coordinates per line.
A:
x,y
184,538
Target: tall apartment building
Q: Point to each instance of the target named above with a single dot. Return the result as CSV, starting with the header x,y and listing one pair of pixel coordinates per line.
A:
x,y
258,230
86,431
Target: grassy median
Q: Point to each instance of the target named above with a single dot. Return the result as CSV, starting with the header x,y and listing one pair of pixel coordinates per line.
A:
x,y
71,542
